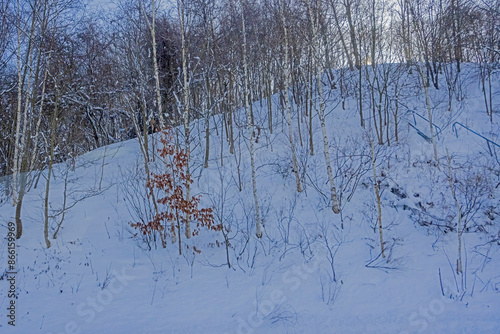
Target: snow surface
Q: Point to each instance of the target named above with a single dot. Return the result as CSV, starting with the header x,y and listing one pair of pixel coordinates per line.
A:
x,y
100,277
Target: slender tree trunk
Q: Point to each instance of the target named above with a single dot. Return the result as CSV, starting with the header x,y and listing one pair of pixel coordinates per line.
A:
x,y
230,115
377,194
396,110
373,35
459,208
360,92
342,39
429,114
49,173
287,101
37,129
17,146
187,139
207,123
269,99
309,102
21,140
428,105
19,204
145,158
145,141
457,33
65,196
352,33
222,139
258,226
380,121
152,30
321,114
179,232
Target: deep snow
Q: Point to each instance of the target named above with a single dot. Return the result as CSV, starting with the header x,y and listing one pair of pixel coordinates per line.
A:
x,y
100,277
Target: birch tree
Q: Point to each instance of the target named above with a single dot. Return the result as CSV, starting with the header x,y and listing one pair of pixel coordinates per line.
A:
x,y
314,19
152,29
185,90
258,225
287,98
131,58
49,170
29,61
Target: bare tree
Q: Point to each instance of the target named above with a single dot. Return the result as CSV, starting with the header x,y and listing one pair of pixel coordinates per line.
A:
x,y
287,98
459,209
30,61
249,121
377,194
314,17
185,89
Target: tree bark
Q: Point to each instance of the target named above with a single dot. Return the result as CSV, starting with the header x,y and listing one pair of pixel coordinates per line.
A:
x,y
321,114
258,226
459,208
377,194
49,172
152,30
287,101
185,86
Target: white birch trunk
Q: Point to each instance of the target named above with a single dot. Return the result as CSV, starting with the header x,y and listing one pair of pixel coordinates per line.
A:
x,y
258,226
180,9
152,29
28,72
20,163
321,116
17,151
49,173
287,102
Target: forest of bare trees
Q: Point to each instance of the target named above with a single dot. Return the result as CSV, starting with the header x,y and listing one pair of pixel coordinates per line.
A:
x,y
72,80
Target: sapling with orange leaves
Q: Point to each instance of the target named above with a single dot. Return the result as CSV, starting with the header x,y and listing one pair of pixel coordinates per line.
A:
x,y
173,183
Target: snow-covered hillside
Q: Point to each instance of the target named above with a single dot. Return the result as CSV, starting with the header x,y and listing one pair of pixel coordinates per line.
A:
x,y
313,271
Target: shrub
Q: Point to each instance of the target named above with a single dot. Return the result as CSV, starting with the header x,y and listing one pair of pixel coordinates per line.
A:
x,y
179,210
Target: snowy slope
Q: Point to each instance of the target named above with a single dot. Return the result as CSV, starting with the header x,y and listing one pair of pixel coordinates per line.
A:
x,y
313,271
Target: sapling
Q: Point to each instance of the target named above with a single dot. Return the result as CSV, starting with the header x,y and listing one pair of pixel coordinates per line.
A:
x,y
173,183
